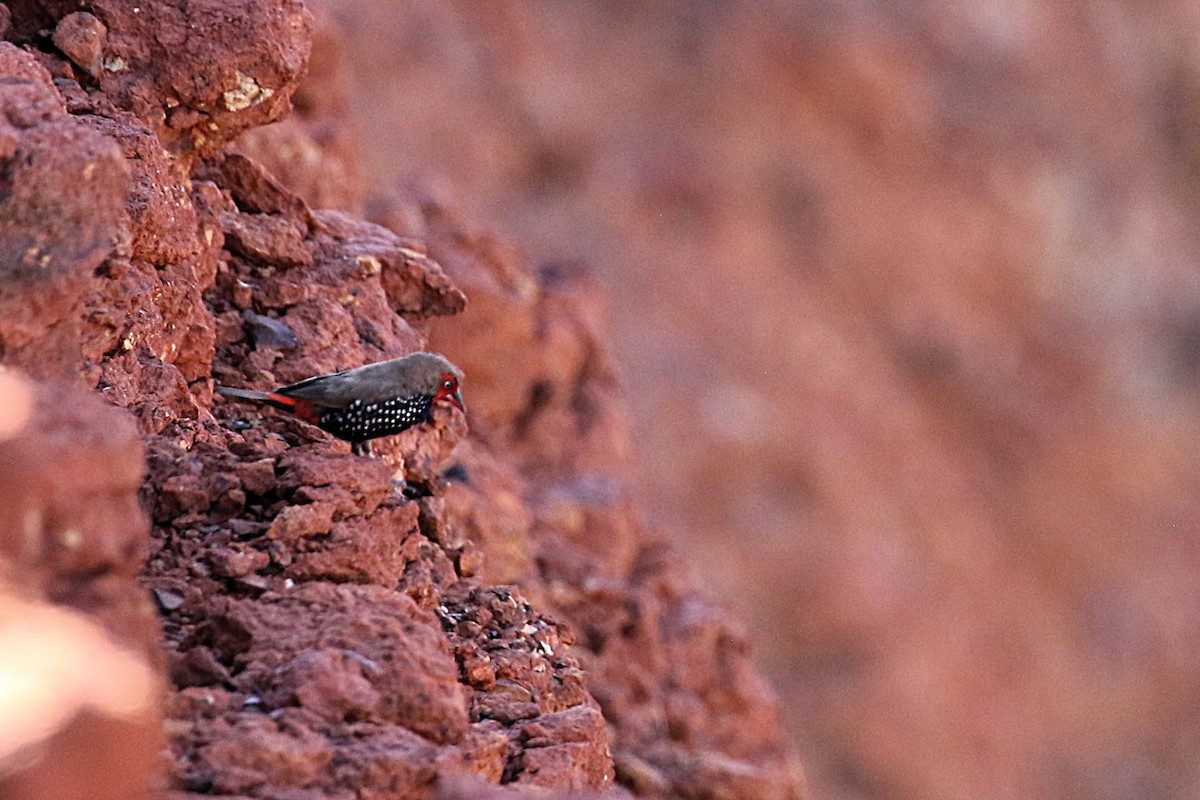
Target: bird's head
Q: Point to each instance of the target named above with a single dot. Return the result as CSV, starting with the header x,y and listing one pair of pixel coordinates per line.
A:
x,y
436,376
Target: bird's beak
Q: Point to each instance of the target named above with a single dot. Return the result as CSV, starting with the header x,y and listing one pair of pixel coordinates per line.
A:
x,y
456,399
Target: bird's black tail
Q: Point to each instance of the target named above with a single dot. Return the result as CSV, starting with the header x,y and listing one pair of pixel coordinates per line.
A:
x,y
270,398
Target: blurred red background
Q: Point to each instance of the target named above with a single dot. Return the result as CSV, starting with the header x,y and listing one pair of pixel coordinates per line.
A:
x,y
907,302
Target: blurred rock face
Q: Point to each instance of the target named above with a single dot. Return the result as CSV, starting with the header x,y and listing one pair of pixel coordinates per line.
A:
x,y
79,689
906,295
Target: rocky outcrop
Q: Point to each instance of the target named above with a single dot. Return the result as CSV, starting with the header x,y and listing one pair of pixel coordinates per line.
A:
x,y
475,607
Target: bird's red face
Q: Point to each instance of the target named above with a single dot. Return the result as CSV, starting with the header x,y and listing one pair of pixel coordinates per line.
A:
x,y
448,392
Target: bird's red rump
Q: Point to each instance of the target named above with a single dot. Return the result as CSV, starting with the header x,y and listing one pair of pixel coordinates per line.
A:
x,y
301,408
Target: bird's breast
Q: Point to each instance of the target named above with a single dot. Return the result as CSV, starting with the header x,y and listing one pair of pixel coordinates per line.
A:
x,y
360,421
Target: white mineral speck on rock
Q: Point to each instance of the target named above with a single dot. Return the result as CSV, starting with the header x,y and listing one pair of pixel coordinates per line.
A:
x,y
247,93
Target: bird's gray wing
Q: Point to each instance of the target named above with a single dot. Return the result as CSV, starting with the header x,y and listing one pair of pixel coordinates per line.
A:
x,y
371,384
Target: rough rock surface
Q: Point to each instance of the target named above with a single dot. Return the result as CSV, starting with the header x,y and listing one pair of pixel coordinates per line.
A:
x,y
196,73
472,608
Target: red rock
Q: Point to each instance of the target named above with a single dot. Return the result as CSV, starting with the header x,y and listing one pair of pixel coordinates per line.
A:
x,y
564,767
232,84
266,239
235,563
257,476
484,752
362,550
181,494
253,189
198,667
322,629
416,677
49,259
82,37
163,220
415,284
578,724
257,752
295,522
330,684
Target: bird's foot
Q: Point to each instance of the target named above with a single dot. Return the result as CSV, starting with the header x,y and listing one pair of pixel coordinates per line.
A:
x,y
361,448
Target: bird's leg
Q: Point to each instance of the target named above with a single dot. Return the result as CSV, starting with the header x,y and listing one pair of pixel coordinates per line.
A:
x,y
361,448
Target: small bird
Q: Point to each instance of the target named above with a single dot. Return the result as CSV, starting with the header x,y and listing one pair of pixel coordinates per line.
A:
x,y
364,403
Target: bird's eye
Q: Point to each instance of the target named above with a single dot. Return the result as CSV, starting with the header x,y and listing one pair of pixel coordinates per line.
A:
x,y
448,384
